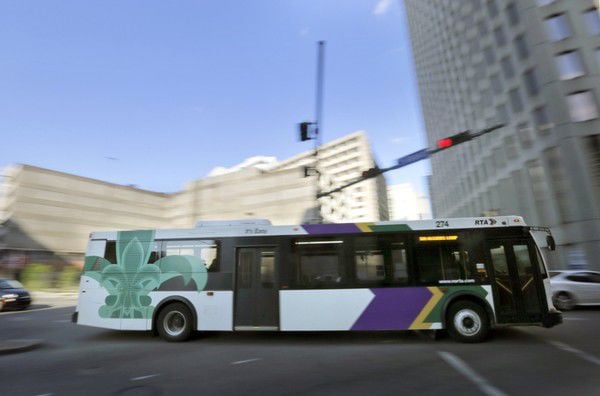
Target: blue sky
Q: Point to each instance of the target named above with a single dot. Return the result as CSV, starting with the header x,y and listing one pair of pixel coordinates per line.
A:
x,y
157,93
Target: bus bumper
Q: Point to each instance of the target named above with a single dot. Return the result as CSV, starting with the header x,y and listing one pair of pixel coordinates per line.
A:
x,y
74,317
553,318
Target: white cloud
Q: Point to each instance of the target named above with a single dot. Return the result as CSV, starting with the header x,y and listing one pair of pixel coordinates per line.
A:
x,y
304,32
382,7
398,140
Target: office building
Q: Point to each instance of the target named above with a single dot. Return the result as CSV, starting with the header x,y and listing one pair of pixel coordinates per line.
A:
x,y
533,65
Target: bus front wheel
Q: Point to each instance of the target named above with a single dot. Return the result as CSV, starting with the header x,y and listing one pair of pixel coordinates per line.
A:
x,y
174,322
468,322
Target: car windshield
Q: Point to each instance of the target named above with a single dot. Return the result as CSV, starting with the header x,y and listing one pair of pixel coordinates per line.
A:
x,y
10,284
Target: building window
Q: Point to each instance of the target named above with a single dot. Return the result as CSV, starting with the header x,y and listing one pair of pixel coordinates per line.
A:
x,y
492,8
489,55
592,145
507,67
496,84
592,21
582,106
499,36
513,14
511,147
598,56
541,119
559,181
501,114
521,46
569,65
531,83
516,104
524,135
557,27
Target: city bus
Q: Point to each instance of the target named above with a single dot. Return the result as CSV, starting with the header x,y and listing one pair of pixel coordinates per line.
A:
x,y
463,275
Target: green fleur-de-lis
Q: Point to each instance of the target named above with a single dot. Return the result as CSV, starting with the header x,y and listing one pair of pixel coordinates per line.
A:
x,y
131,279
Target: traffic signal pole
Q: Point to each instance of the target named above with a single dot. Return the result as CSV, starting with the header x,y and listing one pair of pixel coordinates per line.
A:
x,y
442,144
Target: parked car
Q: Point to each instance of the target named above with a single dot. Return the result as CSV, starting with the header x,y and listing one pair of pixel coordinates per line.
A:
x,y
572,288
13,295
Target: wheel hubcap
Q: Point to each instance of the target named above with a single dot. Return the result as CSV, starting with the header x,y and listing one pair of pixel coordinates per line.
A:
x,y
467,322
174,323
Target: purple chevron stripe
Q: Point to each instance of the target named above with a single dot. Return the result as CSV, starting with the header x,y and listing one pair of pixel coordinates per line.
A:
x,y
393,309
331,228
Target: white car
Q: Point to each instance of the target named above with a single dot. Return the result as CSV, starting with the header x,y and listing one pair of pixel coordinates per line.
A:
x,y
571,288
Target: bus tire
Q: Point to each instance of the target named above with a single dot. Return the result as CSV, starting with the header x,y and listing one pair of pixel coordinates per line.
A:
x,y
174,322
468,322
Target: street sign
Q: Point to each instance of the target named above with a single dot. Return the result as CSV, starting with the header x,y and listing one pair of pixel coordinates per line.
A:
x,y
413,157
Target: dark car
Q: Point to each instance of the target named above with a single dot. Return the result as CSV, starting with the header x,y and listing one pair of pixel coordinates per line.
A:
x,y
13,295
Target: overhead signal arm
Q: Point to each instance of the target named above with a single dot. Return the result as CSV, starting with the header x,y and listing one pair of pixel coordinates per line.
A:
x,y
441,144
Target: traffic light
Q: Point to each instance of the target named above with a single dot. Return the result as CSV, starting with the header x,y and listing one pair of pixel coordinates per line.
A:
x,y
305,131
454,140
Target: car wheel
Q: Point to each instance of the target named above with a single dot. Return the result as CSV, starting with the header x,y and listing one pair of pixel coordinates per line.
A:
x,y
468,322
564,301
174,322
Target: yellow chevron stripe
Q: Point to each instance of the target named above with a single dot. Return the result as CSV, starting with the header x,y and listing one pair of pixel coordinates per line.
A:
x,y
364,227
418,323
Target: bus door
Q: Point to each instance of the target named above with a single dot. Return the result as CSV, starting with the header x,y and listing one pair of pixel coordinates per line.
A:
x,y
517,292
256,289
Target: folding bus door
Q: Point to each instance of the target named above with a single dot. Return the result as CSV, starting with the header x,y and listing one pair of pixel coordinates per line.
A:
x,y
518,295
256,290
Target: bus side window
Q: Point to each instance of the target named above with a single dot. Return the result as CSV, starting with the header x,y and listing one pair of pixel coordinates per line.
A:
x,y
206,250
399,263
319,263
369,259
110,252
442,261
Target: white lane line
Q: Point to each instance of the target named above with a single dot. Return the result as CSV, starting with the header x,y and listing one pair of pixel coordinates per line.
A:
x,y
584,355
574,318
470,374
245,361
62,321
33,310
143,377
19,319
45,394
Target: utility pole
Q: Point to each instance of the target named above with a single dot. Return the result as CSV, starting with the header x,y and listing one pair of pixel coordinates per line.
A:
x,y
312,130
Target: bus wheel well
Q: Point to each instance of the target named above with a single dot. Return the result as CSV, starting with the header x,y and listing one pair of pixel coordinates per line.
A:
x,y
171,300
472,298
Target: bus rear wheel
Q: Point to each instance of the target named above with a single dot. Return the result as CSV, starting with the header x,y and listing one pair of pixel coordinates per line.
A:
x,y
468,322
174,322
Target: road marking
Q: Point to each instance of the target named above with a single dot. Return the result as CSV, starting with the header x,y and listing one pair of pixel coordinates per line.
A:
x,y
574,318
245,361
470,374
62,321
33,310
18,319
584,355
143,377
45,394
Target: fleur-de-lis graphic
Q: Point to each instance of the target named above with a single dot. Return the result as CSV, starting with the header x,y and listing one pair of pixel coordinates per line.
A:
x,y
130,280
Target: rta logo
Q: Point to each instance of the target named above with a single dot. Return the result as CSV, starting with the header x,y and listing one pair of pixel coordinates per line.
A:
x,y
485,222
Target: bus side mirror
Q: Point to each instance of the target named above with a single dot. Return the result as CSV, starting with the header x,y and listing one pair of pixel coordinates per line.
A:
x,y
550,242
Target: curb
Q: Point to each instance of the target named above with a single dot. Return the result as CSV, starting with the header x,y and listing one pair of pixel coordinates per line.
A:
x,y
18,346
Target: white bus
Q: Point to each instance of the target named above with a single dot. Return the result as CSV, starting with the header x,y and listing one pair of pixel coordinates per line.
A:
x,y
466,275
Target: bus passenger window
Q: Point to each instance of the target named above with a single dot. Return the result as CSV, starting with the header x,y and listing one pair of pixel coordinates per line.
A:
x,y
368,258
206,250
399,263
440,262
319,263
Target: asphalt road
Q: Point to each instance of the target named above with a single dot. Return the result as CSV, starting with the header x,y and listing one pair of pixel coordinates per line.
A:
x,y
76,360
